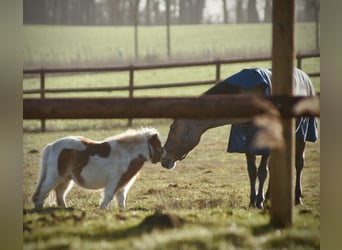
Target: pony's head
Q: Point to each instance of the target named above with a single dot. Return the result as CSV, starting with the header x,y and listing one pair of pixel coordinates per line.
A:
x,y
182,138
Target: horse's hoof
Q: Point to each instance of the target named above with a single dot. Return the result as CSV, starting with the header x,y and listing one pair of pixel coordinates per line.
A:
x,y
299,202
260,206
252,205
38,206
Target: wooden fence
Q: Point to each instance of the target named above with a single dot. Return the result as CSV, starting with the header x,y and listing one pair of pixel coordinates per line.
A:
x,y
131,87
132,68
203,107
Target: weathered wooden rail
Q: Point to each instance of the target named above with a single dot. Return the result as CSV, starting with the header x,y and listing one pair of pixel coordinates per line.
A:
x,y
132,68
237,106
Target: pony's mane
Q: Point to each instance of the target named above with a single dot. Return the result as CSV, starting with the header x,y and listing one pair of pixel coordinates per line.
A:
x,y
135,135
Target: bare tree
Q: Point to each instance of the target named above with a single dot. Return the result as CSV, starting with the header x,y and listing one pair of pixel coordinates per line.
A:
x,y
115,11
156,12
34,11
148,12
240,14
191,11
252,13
225,13
87,11
308,11
317,7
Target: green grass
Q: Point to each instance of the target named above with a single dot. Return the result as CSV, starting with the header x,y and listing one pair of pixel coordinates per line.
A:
x,y
78,45
74,45
208,190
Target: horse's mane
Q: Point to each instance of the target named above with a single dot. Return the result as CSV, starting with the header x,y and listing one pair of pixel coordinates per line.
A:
x,y
135,135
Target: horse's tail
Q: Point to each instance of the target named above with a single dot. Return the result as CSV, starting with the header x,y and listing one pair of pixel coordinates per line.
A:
x,y
43,170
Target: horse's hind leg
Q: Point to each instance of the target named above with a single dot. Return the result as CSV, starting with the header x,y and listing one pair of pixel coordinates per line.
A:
x,y
262,175
252,174
62,190
300,146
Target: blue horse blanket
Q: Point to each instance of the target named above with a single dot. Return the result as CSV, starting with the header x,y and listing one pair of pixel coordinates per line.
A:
x,y
241,134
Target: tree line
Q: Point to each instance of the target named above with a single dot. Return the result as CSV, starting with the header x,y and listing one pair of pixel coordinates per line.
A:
x,y
154,12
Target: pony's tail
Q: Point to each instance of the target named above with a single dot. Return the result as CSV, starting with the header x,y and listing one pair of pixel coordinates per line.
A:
x,y
42,175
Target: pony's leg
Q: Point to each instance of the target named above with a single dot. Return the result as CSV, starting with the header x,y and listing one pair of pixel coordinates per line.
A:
x,y
46,186
108,195
300,146
121,197
252,173
262,175
122,193
62,190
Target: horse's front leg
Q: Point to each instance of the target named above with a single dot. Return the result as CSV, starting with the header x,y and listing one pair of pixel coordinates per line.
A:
x,y
262,175
300,146
252,174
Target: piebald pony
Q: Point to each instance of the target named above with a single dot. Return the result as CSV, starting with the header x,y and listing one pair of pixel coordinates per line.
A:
x,y
112,164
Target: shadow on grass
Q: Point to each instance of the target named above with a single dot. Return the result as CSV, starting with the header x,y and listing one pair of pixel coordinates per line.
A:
x,y
260,230
157,220
289,238
49,217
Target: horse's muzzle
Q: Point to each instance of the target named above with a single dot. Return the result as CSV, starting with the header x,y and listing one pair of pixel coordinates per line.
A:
x,y
168,162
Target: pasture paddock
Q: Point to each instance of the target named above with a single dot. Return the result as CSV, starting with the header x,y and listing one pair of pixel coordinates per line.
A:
x,y
208,190
47,45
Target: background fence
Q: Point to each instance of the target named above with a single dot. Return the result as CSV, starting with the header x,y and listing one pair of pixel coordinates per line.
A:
x,y
131,87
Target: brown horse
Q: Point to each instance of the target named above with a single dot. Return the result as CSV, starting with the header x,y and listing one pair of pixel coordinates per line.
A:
x,y
185,134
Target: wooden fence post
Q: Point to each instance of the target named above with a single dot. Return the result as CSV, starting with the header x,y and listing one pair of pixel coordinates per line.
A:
x,y
281,161
168,42
42,96
299,61
131,89
136,23
218,71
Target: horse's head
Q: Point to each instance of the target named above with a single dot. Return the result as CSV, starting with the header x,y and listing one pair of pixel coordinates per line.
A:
x,y
183,136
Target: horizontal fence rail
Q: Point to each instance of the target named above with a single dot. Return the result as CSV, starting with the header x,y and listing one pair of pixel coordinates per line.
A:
x,y
123,88
240,106
131,68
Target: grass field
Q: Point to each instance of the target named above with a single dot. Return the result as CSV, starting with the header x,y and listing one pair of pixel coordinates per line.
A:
x,y
74,45
208,191
46,46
